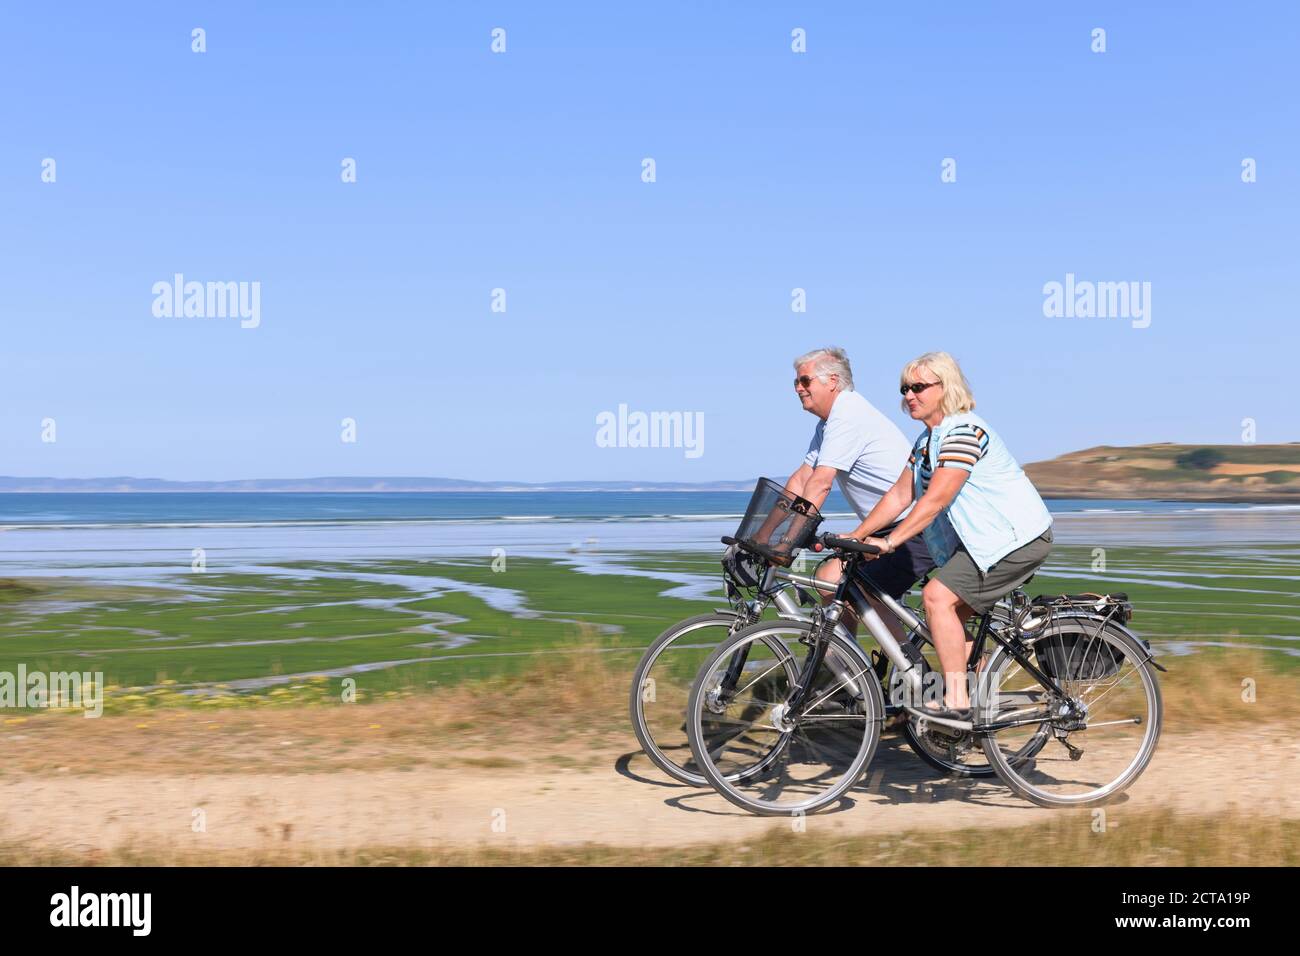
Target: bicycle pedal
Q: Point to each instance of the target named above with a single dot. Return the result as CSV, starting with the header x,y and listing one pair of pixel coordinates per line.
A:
x,y
879,664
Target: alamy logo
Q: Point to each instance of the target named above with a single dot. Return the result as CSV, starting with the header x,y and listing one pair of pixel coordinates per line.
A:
x,y
626,429
179,299
1098,300
55,689
103,909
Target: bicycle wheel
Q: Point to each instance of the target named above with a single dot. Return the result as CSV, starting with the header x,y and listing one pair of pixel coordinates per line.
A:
x,y
754,750
954,752
661,687
958,753
1105,726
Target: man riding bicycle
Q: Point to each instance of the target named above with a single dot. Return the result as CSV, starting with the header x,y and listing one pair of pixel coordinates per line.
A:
x,y
856,444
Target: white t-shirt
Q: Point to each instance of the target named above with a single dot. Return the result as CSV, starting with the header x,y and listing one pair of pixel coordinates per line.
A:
x,y
868,450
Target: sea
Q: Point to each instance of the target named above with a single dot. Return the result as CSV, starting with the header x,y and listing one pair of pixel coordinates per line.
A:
x,y
102,534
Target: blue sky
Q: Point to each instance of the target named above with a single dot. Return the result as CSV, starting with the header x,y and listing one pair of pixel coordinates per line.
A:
x,y
522,171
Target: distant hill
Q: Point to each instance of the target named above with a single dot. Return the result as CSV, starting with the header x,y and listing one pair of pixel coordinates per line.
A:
x,y
353,484
1180,472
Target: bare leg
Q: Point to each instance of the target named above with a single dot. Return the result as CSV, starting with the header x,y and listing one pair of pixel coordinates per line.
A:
x,y
945,613
830,571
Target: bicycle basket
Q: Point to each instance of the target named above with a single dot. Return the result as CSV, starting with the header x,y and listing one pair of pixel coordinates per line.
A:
x,y
777,524
1078,656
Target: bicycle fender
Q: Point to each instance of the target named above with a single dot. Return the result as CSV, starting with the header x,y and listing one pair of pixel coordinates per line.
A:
x,y
1084,615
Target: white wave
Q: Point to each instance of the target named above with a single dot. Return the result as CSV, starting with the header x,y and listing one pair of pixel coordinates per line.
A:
x,y
1238,508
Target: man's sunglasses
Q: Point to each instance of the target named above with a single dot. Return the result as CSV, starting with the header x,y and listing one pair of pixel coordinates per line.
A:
x,y
803,381
916,388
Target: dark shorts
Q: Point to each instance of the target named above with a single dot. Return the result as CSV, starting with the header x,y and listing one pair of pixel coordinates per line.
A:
x,y
896,573
980,591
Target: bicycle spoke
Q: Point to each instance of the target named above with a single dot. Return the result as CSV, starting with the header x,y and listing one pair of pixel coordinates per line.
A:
x,y
1091,758
758,678
766,759
851,679
663,682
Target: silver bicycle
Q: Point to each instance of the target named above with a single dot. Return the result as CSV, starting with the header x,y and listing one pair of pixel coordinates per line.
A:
x,y
662,681
784,716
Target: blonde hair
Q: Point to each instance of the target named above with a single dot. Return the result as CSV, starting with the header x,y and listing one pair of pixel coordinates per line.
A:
x,y
957,395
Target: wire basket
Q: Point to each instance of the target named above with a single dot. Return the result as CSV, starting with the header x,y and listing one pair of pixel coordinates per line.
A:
x,y
777,524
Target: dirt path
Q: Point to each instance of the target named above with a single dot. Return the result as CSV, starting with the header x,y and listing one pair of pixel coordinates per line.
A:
x,y
608,795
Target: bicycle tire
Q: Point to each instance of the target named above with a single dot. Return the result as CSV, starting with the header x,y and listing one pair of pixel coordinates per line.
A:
x,y
654,748
1026,778
847,656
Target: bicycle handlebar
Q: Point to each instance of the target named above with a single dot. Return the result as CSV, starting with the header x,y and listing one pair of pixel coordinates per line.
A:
x,y
848,544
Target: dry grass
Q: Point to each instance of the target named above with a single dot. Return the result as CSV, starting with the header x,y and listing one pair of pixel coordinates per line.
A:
x,y
580,689
1156,838
1208,689
572,701
576,695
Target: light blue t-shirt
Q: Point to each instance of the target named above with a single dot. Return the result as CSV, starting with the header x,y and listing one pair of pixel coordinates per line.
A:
x,y
866,449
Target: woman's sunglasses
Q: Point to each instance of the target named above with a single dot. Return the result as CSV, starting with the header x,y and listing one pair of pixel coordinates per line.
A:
x,y
916,388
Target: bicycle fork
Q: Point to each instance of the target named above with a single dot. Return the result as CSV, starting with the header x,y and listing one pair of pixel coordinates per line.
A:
x,y
789,608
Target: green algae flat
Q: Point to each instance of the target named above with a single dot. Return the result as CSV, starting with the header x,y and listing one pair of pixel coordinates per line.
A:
x,y
404,626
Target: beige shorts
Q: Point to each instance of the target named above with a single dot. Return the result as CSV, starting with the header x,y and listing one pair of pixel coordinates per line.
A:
x,y
981,591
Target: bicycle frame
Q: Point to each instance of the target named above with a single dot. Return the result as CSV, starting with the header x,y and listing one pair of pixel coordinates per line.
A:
x,y
854,592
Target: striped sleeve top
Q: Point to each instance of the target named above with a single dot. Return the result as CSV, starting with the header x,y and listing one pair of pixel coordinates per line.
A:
x,y
962,447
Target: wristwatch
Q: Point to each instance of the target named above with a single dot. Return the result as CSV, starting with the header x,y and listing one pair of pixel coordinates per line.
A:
x,y
888,544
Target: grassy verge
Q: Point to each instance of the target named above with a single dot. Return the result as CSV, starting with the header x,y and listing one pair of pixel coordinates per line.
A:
x,y
1068,839
574,695
1225,686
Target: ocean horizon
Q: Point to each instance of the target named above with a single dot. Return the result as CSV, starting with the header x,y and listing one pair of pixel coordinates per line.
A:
x,y
49,510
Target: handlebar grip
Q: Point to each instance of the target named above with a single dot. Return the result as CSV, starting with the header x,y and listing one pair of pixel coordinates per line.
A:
x,y
848,544
728,540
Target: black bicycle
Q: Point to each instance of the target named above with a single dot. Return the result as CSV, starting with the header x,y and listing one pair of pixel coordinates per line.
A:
x,y
784,716
757,580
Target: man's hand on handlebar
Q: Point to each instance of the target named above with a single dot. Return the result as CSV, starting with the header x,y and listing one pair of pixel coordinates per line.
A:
x,y
818,546
879,544
868,549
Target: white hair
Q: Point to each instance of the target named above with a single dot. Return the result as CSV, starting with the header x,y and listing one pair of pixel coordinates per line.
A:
x,y
829,361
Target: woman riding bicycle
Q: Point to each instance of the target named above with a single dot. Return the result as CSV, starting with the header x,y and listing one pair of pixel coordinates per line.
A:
x,y
981,517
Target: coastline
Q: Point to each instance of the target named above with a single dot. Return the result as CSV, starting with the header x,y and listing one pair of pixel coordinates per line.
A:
x,y
1174,497
1049,492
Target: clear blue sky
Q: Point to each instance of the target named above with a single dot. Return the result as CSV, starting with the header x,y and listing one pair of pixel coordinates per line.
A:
x,y
523,171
